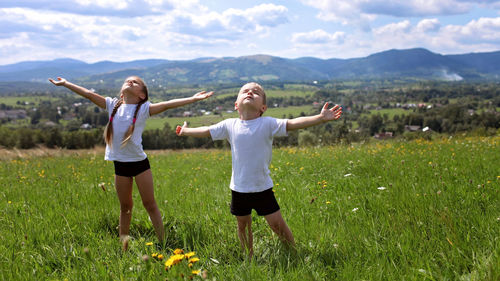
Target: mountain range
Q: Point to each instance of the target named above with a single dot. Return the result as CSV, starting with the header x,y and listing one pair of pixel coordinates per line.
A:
x,y
392,64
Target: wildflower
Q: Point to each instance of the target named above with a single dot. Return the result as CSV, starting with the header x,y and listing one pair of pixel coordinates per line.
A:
x,y
178,251
193,260
381,188
149,244
196,272
189,255
10,202
328,202
355,209
160,257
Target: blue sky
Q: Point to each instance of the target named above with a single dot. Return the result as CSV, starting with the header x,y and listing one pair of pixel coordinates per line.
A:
x,y
124,30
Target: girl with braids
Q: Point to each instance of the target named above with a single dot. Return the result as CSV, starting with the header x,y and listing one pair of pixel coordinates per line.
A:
x,y
123,137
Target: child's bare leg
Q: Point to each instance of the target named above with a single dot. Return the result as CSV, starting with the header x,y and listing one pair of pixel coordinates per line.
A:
x,y
279,226
245,233
144,183
124,191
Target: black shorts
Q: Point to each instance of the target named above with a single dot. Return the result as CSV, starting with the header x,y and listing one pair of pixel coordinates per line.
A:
x,y
263,202
131,169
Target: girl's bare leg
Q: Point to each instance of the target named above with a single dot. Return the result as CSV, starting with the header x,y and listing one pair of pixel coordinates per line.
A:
x,y
144,183
124,191
279,226
245,233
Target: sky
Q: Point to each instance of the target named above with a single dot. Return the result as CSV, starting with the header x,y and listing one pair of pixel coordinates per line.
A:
x,y
125,30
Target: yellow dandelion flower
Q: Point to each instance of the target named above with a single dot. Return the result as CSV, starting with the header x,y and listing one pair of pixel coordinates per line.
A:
x,y
175,259
149,244
160,257
189,255
190,265
193,260
196,272
154,255
178,251
10,202
328,202
169,263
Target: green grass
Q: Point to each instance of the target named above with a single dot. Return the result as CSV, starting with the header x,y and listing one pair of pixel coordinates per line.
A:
x,y
207,120
32,100
437,216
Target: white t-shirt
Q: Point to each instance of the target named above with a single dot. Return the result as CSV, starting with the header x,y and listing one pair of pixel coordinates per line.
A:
x,y
251,149
122,120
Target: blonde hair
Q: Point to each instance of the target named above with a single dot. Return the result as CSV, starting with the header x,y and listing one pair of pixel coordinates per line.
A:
x,y
108,131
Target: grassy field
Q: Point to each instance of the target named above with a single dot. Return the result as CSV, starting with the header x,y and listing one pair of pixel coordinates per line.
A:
x,y
196,121
419,210
31,100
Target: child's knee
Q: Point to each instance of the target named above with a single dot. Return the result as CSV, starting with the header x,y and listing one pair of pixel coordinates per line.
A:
x,y
150,206
126,207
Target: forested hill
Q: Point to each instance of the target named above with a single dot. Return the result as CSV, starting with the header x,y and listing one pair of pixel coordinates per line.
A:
x,y
411,63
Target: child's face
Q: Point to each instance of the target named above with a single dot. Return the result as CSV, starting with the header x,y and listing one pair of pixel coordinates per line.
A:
x,y
133,86
251,97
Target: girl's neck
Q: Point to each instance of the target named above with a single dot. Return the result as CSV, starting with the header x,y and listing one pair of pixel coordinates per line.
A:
x,y
249,114
130,100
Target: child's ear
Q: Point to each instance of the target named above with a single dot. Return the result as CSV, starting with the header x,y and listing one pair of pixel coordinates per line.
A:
x,y
142,96
263,108
235,106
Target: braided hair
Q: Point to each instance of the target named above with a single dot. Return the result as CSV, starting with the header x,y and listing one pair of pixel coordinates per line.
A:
x,y
108,131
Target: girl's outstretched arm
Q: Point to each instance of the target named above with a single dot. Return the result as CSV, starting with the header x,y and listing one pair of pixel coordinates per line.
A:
x,y
307,121
200,132
99,100
162,106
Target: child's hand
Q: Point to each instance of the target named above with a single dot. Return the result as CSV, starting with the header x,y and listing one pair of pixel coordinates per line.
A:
x,y
331,114
60,81
202,95
179,130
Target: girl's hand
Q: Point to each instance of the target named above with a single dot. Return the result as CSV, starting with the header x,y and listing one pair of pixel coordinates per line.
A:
x,y
331,114
179,130
60,81
202,95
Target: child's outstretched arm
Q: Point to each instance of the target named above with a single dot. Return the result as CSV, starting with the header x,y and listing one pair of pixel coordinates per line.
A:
x,y
99,100
307,121
200,132
162,106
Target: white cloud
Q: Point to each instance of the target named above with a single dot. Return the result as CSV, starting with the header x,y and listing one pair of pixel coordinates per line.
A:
x,y
393,29
122,8
428,25
483,30
361,12
318,36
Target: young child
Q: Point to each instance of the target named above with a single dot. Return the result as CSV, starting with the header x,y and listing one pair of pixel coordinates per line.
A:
x,y
123,137
250,137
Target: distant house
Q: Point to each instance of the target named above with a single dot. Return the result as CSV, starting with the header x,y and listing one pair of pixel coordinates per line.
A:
x,y
383,136
427,129
13,114
49,124
187,114
86,126
412,128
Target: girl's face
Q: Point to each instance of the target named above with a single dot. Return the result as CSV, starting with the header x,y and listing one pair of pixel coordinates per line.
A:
x,y
134,86
251,96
